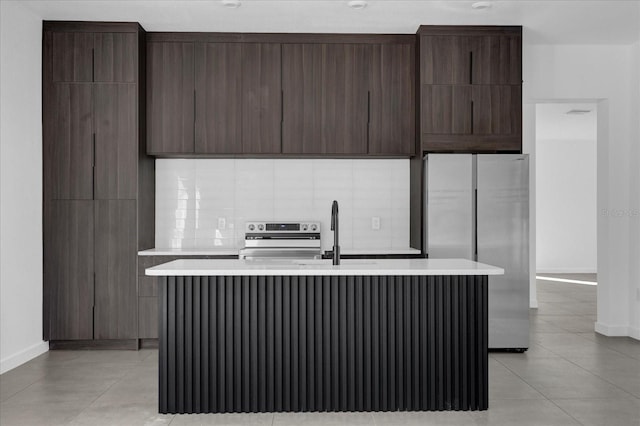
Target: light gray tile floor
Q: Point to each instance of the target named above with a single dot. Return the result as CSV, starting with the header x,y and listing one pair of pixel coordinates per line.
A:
x,y
569,376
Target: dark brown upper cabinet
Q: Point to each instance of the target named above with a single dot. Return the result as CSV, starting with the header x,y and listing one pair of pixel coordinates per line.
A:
x,y
236,94
170,98
325,98
471,110
94,57
116,146
476,59
470,89
218,74
238,98
261,98
391,105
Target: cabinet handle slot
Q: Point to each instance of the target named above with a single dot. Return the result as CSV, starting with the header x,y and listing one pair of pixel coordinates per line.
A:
x,y
93,64
470,67
93,166
471,117
93,150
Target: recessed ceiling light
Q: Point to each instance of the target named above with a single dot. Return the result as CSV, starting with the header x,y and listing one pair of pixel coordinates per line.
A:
x,y
578,111
357,4
481,5
231,4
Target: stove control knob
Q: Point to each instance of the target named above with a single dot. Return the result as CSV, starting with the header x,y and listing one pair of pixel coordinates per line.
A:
x,y
251,227
261,227
314,227
305,226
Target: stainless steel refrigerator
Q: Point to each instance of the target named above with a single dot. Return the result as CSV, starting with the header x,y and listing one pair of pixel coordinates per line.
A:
x,y
477,207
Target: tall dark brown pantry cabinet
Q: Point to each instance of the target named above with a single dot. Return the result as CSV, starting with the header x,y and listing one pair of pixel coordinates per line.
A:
x,y
98,182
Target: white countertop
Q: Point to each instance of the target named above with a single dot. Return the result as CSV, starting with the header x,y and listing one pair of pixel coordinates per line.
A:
x,y
234,252
206,267
189,252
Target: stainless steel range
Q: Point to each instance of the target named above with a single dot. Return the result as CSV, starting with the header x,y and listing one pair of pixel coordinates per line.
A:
x,y
273,240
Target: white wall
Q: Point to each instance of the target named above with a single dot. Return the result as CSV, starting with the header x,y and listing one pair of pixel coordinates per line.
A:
x,y
192,195
634,198
566,206
603,73
20,186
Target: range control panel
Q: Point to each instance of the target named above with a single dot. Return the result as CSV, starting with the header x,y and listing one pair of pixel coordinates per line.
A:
x,y
282,227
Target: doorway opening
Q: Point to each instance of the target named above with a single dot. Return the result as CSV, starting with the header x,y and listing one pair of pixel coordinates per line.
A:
x,y
566,212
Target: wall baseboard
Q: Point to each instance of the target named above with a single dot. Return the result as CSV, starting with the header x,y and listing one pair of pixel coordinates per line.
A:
x,y
566,271
634,333
15,360
615,330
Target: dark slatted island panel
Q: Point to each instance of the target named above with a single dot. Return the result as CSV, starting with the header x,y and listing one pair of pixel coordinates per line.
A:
x,y
323,343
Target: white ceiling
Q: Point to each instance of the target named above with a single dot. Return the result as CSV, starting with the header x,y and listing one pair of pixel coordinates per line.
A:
x,y
553,122
545,21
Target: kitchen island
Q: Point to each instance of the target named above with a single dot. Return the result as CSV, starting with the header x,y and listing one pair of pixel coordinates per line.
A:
x,y
366,335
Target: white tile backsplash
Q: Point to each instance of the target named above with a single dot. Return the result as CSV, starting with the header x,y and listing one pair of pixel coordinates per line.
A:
x,y
192,195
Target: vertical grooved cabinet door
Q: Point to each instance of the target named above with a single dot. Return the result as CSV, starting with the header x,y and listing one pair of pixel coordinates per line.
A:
x,y
445,59
72,57
68,150
170,98
325,98
392,99
115,57
497,110
116,299
68,268
261,98
302,91
116,141
344,100
497,59
218,74
446,109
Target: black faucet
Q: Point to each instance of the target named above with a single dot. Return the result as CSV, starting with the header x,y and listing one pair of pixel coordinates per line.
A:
x,y
334,228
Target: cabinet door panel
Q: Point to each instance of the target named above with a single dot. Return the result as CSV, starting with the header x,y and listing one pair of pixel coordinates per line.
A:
x,y
497,110
445,59
218,98
68,150
170,98
72,57
302,98
325,98
261,98
497,60
69,269
446,109
115,57
116,142
391,103
115,256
